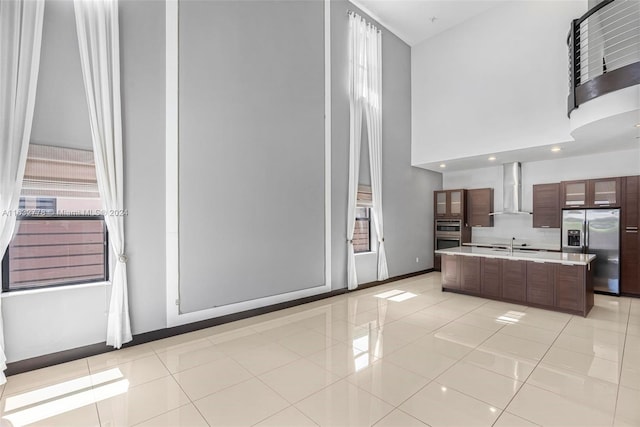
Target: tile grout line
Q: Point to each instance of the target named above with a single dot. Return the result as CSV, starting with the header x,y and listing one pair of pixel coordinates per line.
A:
x,y
626,334
461,360
368,392
432,380
531,373
95,404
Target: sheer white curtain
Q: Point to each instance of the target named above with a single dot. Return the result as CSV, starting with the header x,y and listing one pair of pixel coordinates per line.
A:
x,y
373,108
98,38
365,92
357,76
20,39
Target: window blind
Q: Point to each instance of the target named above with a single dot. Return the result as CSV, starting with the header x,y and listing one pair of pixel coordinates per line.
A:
x,y
60,172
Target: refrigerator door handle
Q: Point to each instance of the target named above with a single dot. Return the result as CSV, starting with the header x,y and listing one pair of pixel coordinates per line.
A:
x,y
586,236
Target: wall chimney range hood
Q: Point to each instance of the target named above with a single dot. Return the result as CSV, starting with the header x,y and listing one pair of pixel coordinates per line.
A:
x,y
511,190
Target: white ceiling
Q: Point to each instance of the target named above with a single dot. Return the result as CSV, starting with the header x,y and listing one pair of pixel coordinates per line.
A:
x,y
417,20
413,20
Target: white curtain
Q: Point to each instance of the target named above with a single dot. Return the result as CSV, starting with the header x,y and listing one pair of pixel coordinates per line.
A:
x,y
20,39
365,91
357,76
373,108
98,38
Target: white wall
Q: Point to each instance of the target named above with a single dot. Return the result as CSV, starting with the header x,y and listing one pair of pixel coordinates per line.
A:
x,y
497,82
618,163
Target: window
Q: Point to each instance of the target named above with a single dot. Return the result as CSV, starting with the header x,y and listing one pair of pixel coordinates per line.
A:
x,y
60,236
362,231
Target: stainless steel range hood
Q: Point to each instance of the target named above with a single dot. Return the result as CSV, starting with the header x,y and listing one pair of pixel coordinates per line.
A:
x,y
511,190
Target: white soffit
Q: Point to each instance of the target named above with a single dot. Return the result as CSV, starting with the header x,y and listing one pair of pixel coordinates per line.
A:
x,y
413,20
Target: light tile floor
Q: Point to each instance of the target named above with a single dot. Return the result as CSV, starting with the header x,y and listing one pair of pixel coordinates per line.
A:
x,y
402,354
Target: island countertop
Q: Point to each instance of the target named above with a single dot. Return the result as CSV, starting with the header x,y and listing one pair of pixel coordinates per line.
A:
x,y
554,257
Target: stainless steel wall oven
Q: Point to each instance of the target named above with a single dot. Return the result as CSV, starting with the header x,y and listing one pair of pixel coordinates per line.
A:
x,y
448,233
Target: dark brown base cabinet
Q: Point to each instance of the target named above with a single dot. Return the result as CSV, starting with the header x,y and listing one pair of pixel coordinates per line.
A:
x,y
491,277
540,283
553,286
470,274
450,271
570,282
514,280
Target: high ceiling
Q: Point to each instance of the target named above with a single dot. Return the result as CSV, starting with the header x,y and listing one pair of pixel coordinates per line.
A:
x,y
417,20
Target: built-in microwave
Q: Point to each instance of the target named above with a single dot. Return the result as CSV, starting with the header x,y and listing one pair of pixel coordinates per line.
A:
x,y
448,226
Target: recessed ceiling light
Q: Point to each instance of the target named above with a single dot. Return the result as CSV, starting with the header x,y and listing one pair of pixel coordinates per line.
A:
x,y
442,165
492,158
638,125
556,149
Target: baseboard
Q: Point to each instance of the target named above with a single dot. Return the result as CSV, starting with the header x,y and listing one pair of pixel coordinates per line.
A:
x,y
64,356
394,279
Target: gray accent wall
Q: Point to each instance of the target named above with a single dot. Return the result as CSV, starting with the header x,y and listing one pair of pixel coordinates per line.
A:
x,y
142,63
227,164
251,171
61,116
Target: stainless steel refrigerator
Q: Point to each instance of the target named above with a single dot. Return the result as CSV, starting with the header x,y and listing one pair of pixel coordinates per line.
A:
x,y
595,231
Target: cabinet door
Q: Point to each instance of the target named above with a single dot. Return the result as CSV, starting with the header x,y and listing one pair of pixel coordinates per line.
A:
x,y
574,194
479,206
514,280
456,203
570,287
631,203
540,283
471,274
546,206
450,271
630,237
629,259
440,202
604,192
491,277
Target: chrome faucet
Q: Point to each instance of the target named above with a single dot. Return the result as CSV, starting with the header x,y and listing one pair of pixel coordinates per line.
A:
x,y
511,246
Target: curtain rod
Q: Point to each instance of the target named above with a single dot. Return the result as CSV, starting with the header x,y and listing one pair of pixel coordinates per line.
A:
x,y
350,12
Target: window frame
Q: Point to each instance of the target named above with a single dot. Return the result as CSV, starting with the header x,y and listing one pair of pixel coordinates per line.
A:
x,y
6,288
368,220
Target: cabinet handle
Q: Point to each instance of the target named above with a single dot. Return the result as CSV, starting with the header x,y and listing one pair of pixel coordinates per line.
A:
x,y
539,262
477,225
545,226
631,231
631,228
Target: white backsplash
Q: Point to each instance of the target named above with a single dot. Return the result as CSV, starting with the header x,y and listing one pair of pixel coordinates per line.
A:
x,y
519,226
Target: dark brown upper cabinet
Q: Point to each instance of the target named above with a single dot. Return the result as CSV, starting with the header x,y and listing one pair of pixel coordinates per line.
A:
x,y
479,206
591,193
546,206
604,192
449,203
